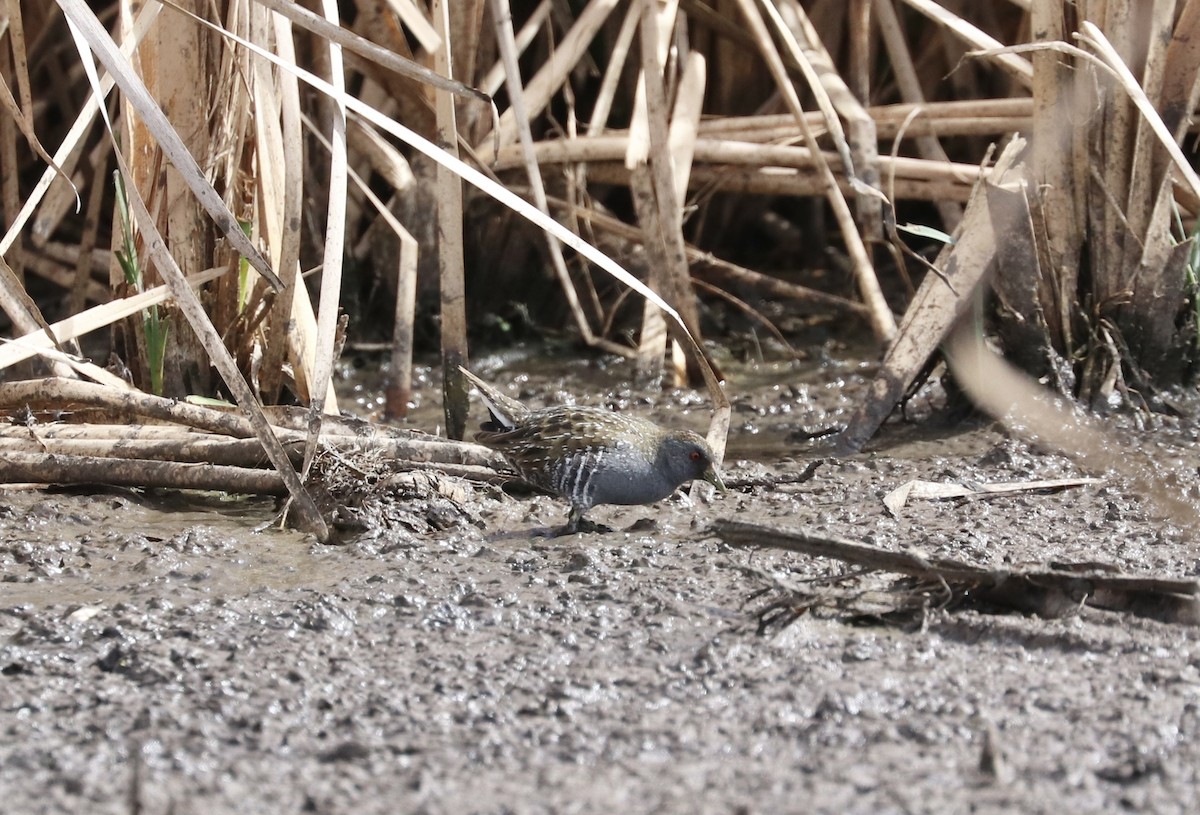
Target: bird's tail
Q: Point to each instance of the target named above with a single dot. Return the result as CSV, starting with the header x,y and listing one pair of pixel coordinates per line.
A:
x,y
505,410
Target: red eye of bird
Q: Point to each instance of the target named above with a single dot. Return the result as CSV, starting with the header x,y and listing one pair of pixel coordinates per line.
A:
x,y
695,455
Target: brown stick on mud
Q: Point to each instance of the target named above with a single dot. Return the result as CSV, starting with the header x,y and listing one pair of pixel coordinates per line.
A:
x,y
1049,592
17,468
182,445
203,448
169,455
172,443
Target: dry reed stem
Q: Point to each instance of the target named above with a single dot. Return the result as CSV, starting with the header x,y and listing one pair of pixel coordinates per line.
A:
x,y
28,345
399,389
1112,138
502,15
681,147
859,152
280,155
653,190
612,71
292,331
652,337
909,84
18,467
336,35
941,299
191,449
968,117
10,182
972,36
882,322
654,35
1181,83
472,42
859,58
91,230
66,428
450,246
733,155
414,19
1060,216
324,400
136,93
172,57
495,76
550,77
731,271
777,181
58,393
174,442
685,121
1141,199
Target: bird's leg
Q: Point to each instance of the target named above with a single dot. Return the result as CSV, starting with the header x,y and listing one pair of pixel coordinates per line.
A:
x,y
577,523
573,522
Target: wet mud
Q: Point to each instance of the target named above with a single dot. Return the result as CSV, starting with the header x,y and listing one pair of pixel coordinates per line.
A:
x,y
161,653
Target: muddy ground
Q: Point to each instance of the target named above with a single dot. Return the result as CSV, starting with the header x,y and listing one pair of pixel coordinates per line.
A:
x,y
164,654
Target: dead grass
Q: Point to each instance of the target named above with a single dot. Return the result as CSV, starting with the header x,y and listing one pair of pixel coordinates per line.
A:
x,y
709,116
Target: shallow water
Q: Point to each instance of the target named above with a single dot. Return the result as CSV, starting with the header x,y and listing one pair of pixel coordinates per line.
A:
x,y
175,652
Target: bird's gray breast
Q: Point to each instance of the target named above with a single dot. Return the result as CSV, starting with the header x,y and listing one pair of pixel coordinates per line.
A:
x,y
617,473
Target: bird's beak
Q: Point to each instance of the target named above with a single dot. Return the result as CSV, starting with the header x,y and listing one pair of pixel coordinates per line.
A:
x,y
713,477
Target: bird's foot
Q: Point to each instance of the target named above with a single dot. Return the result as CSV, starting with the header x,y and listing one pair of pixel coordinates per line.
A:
x,y
585,527
578,523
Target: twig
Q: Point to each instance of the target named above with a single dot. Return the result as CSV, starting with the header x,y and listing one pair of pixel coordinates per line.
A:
x,y
1050,592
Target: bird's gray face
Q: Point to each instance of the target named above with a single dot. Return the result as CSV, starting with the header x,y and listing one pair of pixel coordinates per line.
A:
x,y
684,457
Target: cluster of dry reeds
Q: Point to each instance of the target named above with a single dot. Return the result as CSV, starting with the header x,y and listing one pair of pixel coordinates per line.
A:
x,y
250,140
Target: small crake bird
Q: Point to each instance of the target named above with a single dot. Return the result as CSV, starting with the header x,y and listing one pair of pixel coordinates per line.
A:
x,y
589,455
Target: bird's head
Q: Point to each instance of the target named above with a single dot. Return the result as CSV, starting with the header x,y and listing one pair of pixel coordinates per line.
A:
x,y
684,456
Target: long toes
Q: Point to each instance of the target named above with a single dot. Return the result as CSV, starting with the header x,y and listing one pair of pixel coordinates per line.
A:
x,y
585,526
